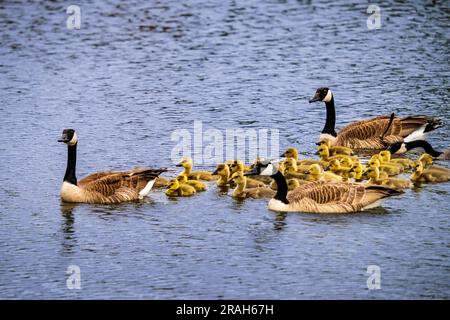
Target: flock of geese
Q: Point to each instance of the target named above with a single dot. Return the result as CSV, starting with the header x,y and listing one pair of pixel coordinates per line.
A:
x,y
338,181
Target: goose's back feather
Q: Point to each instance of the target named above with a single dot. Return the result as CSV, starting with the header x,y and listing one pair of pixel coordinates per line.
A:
x,y
323,197
110,186
366,134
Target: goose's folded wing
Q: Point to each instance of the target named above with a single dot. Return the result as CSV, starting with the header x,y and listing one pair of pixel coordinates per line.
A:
x,y
333,197
108,184
121,194
95,176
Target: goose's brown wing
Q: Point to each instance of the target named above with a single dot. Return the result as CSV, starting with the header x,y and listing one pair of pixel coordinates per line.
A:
x,y
95,176
135,179
366,134
337,197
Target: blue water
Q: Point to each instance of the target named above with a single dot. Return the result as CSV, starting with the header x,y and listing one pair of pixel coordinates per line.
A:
x,y
138,70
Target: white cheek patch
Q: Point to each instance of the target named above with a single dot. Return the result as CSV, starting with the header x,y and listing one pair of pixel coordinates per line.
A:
x,y
328,96
268,171
74,139
402,149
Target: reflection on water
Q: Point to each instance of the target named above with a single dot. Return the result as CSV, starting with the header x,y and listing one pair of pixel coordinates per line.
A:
x,y
67,227
136,71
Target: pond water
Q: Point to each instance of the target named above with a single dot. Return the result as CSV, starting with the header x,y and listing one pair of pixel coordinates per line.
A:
x,y
138,70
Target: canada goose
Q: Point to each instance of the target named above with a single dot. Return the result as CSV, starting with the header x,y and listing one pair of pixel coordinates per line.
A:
x,y
403,147
198,185
396,183
387,168
428,175
241,190
187,164
223,171
374,133
334,150
103,187
316,173
321,197
179,190
238,166
385,157
427,162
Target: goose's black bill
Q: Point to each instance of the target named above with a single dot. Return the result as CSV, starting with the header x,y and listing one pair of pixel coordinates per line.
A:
x,y
253,171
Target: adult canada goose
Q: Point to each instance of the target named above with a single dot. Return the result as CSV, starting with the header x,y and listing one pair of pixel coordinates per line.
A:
x,y
403,147
374,133
198,185
106,186
241,190
321,197
187,164
428,175
176,189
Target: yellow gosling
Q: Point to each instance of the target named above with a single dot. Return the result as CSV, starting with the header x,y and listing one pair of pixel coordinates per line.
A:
x,y
428,175
324,153
316,173
388,169
292,153
357,172
238,166
404,162
427,162
335,150
187,164
395,183
336,168
198,185
241,190
223,171
179,190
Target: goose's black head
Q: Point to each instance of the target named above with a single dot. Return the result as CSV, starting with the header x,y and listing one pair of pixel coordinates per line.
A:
x,y
262,167
69,137
322,94
397,147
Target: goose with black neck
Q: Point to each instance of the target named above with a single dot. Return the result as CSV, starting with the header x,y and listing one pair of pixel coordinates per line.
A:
x,y
403,147
373,133
105,186
321,196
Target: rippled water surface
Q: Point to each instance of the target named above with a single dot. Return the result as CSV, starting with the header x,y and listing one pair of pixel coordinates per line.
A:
x,y
138,70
